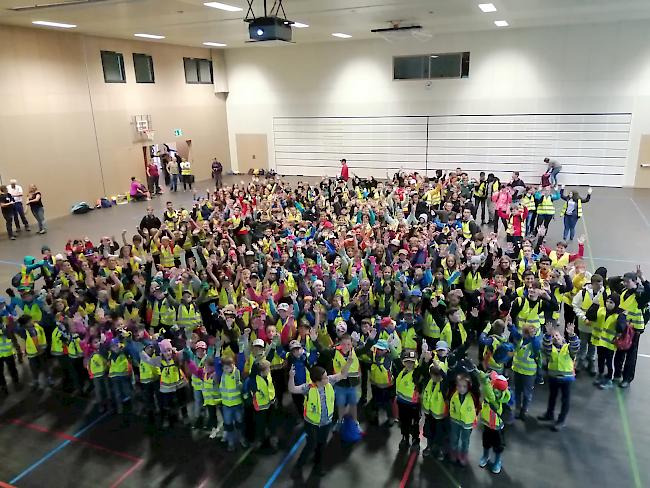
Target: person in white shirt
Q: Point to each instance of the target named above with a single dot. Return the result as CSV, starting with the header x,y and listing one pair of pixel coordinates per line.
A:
x,y
16,191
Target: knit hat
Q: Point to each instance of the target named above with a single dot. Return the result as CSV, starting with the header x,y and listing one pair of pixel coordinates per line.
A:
x,y
165,346
616,298
602,271
499,382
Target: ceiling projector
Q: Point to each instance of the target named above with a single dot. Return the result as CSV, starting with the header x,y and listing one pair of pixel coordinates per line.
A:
x,y
269,29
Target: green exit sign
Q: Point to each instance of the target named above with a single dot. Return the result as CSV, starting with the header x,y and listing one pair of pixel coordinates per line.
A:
x,y
178,132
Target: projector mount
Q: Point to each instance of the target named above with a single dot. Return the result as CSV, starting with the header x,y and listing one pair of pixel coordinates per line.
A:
x,y
275,10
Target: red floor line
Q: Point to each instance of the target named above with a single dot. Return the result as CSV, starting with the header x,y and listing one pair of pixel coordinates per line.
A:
x,y
6,485
409,469
127,473
68,437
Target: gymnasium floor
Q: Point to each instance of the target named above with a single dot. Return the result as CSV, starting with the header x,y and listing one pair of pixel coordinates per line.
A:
x,y
50,439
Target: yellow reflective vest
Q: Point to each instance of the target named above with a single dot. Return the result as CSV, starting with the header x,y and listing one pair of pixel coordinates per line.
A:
x,y
313,405
462,413
433,401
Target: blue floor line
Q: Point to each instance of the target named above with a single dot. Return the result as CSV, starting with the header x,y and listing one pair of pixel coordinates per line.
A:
x,y
285,461
58,448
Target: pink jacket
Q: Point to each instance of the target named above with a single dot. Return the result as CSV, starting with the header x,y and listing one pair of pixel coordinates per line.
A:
x,y
502,200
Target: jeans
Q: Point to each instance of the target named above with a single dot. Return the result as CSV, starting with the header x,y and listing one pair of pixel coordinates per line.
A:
x,y
605,360
39,215
625,361
553,176
524,387
9,224
544,220
121,386
480,203
587,351
198,404
100,385
19,211
233,423
173,186
555,386
459,438
530,222
570,222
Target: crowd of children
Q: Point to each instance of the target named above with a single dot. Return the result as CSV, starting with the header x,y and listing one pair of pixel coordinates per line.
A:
x,y
338,294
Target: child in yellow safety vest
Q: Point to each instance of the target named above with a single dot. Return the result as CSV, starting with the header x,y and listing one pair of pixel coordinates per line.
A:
x,y
560,355
198,358
35,347
230,391
495,393
407,386
262,390
149,377
97,366
435,407
172,382
119,375
463,408
609,321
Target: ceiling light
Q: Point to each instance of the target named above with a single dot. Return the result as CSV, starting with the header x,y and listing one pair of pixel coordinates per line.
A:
x,y
341,35
214,44
54,24
434,56
487,7
501,23
223,6
149,36
300,25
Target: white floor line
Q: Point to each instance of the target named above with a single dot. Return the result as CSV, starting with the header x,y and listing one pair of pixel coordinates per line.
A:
x,y
633,261
644,355
638,209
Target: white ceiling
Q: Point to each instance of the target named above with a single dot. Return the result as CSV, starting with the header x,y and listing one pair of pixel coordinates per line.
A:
x,y
189,22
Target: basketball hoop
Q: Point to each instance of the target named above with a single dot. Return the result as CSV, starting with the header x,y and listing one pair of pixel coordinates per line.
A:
x,y
149,134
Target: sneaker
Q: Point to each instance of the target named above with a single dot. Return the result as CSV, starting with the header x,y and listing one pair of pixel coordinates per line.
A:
x,y
440,456
624,384
483,462
404,442
617,379
558,426
427,451
42,232
337,425
606,385
522,415
415,445
361,431
389,422
540,380
546,417
214,433
243,442
598,380
13,238
28,229
496,467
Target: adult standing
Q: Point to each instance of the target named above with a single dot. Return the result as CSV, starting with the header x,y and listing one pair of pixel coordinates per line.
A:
x,y
172,169
186,174
572,211
153,178
345,171
7,205
35,202
16,191
217,173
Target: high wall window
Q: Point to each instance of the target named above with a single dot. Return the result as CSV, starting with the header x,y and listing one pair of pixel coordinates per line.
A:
x,y
197,70
143,65
431,66
113,66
